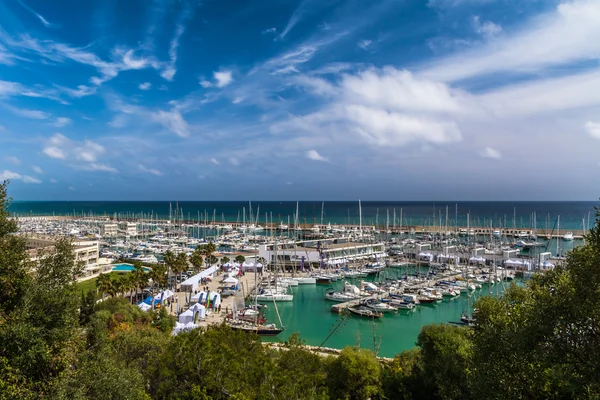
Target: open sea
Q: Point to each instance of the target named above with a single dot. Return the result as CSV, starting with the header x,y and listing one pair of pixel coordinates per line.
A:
x,y
573,215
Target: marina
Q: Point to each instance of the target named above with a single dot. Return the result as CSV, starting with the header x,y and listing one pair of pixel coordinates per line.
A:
x,y
335,284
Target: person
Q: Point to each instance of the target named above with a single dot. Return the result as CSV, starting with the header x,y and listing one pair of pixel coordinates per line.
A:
x,y
219,308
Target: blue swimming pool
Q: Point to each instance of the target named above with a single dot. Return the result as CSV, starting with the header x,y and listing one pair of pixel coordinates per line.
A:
x,y
124,268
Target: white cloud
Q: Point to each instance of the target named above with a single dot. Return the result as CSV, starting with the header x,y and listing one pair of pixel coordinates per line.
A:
x,y
385,128
83,155
488,152
557,38
315,156
173,121
593,129
54,152
71,188
9,175
214,161
237,100
149,170
223,78
6,174
81,91
205,84
145,86
13,160
364,44
270,30
31,114
61,122
401,90
53,180
37,169
486,28
38,15
8,88
30,179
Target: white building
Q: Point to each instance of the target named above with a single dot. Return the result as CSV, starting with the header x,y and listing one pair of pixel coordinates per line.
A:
x,y
109,230
86,251
131,229
330,251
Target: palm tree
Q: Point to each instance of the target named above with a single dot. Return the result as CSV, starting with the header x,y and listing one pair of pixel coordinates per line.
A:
x,y
211,259
196,259
225,260
157,274
239,259
140,277
104,284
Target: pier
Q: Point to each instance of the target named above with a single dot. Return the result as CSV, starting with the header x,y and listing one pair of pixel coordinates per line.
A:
x,y
317,229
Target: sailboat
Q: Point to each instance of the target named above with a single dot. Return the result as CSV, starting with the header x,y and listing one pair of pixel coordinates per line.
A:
x,y
253,321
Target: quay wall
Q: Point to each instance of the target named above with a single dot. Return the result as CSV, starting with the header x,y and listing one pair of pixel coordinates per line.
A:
x,y
418,229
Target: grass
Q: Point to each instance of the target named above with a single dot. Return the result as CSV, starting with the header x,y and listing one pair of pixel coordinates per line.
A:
x,y
90,284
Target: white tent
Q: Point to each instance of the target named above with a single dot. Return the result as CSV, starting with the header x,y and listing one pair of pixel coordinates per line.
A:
x,y
547,265
215,299
425,256
164,295
448,258
513,262
199,297
186,316
478,260
191,284
144,306
231,280
198,309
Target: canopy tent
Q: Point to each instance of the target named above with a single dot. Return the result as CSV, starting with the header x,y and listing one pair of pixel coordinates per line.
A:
x,y
425,256
144,306
191,284
547,265
148,301
186,316
448,258
477,260
515,262
199,297
214,299
164,295
251,266
230,280
199,311
180,327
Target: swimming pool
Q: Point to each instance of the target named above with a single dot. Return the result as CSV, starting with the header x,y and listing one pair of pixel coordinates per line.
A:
x,y
125,268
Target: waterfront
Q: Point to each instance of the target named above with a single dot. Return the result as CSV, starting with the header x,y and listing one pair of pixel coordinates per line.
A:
x,y
310,315
573,215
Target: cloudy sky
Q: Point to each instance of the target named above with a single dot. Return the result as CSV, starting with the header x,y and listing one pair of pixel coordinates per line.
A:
x,y
300,99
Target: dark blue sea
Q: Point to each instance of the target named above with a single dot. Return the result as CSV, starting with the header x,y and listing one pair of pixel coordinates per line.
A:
x,y
573,215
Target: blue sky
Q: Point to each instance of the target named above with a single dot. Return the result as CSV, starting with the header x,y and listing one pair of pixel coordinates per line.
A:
x,y
303,99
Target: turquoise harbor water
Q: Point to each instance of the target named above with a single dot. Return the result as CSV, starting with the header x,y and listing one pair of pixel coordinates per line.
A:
x,y
573,215
310,315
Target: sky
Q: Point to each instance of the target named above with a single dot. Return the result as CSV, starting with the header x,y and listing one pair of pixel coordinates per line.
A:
x,y
300,99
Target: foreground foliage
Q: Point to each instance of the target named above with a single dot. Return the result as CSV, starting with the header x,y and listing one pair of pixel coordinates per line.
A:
x,y
541,341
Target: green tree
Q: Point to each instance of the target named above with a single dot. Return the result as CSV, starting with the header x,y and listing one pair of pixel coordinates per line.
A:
x,y
14,261
355,374
300,374
446,352
180,264
225,260
104,283
211,259
239,259
541,341
197,259
140,277
86,309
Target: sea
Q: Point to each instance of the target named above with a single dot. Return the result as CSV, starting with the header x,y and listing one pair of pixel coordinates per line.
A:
x,y
575,215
